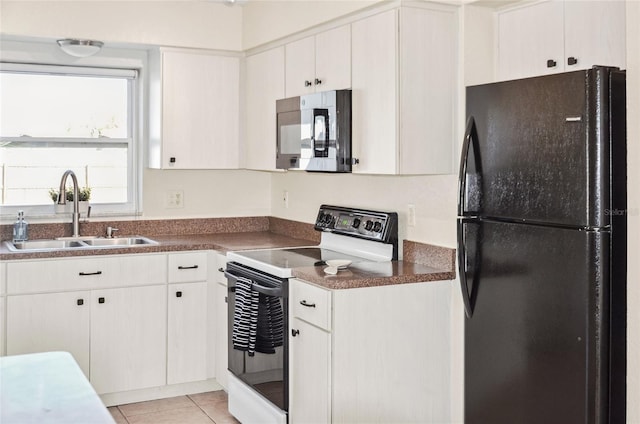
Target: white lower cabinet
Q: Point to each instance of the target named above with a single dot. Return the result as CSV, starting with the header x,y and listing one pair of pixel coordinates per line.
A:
x,y
187,333
50,322
128,338
141,321
310,376
188,324
381,356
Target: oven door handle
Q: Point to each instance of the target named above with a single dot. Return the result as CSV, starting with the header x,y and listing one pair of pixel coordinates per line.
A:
x,y
269,291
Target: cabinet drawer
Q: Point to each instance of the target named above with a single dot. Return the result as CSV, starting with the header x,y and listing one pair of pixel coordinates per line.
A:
x,y
187,267
310,303
64,274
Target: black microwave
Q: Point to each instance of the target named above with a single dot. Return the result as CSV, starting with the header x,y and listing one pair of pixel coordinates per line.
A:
x,y
314,132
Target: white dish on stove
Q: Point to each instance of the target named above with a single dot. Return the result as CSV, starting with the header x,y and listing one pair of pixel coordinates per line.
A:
x,y
338,263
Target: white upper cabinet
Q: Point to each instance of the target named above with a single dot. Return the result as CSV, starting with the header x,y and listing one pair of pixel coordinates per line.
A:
x,y
319,63
194,109
595,33
557,36
264,84
404,75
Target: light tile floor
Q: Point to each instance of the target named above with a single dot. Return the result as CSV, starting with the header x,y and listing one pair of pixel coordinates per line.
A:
x,y
201,408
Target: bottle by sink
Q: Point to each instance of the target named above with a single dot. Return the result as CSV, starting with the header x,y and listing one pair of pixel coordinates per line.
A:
x,y
20,228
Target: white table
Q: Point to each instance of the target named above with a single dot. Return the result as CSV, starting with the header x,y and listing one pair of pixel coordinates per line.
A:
x,y
47,388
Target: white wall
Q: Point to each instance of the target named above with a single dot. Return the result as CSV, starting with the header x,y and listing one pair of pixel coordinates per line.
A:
x,y
201,24
265,21
208,194
434,198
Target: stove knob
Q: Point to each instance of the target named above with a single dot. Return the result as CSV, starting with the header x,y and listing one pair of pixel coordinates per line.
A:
x,y
356,223
377,227
368,225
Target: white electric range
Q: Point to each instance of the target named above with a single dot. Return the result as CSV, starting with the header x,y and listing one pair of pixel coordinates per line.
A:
x,y
257,303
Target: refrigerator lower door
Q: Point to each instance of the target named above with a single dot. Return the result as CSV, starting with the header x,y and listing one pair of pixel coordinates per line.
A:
x,y
535,345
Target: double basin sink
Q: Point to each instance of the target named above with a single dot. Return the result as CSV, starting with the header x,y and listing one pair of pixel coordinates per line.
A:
x,y
66,243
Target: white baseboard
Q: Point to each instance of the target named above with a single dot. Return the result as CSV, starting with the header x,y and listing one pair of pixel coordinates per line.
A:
x,y
161,392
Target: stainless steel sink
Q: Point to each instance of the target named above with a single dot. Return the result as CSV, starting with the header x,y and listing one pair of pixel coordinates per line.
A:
x,y
81,243
119,241
44,244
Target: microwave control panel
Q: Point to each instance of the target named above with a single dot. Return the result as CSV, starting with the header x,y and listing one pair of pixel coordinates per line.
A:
x,y
370,225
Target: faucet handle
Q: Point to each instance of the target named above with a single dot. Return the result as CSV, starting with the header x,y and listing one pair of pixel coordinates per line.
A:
x,y
110,231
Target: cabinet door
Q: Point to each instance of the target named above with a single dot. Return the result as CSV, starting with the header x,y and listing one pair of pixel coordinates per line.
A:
x,y
374,95
428,90
310,382
200,118
128,338
300,61
187,333
333,59
222,335
264,85
50,322
595,34
528,37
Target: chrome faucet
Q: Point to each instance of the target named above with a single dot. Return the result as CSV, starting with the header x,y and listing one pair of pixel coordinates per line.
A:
x,y
62,200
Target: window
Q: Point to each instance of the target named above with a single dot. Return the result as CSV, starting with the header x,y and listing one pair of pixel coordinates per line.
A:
x,y
54,118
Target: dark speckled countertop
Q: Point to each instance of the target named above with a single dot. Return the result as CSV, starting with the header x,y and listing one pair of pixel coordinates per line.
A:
x,y
421,262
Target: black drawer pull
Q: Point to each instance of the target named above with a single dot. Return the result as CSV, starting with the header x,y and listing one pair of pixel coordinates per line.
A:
x,y
551,63
220,269
89,273
572,61
178,294
101,300
308,305
188,267
80,302
295,332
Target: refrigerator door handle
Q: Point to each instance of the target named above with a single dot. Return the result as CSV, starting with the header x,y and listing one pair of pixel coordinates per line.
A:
x,y
464,156
462,260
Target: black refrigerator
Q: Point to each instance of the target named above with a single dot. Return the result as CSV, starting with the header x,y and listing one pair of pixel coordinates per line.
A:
x,y
542,249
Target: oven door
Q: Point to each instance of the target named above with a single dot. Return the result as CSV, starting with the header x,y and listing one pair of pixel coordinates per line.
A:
x,y
263,367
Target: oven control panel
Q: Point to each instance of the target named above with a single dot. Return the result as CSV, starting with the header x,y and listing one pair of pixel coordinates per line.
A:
x,y
371,225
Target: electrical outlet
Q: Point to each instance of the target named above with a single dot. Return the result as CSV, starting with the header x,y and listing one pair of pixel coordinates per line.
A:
x,y
174,199
285,199
411,215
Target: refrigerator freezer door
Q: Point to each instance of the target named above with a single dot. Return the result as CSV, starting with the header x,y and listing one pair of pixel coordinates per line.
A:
x,y
543,149
535,351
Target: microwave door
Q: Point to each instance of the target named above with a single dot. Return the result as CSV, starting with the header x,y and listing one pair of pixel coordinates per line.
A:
x,y
320,133
289,140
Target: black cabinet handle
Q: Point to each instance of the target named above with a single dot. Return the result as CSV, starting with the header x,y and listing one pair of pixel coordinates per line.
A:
x,y
307,83
572,60
188,267
551,63
308,305
101,300
172,160
226,299
295,332
221,269
318,81
82,274
80,302
178,294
